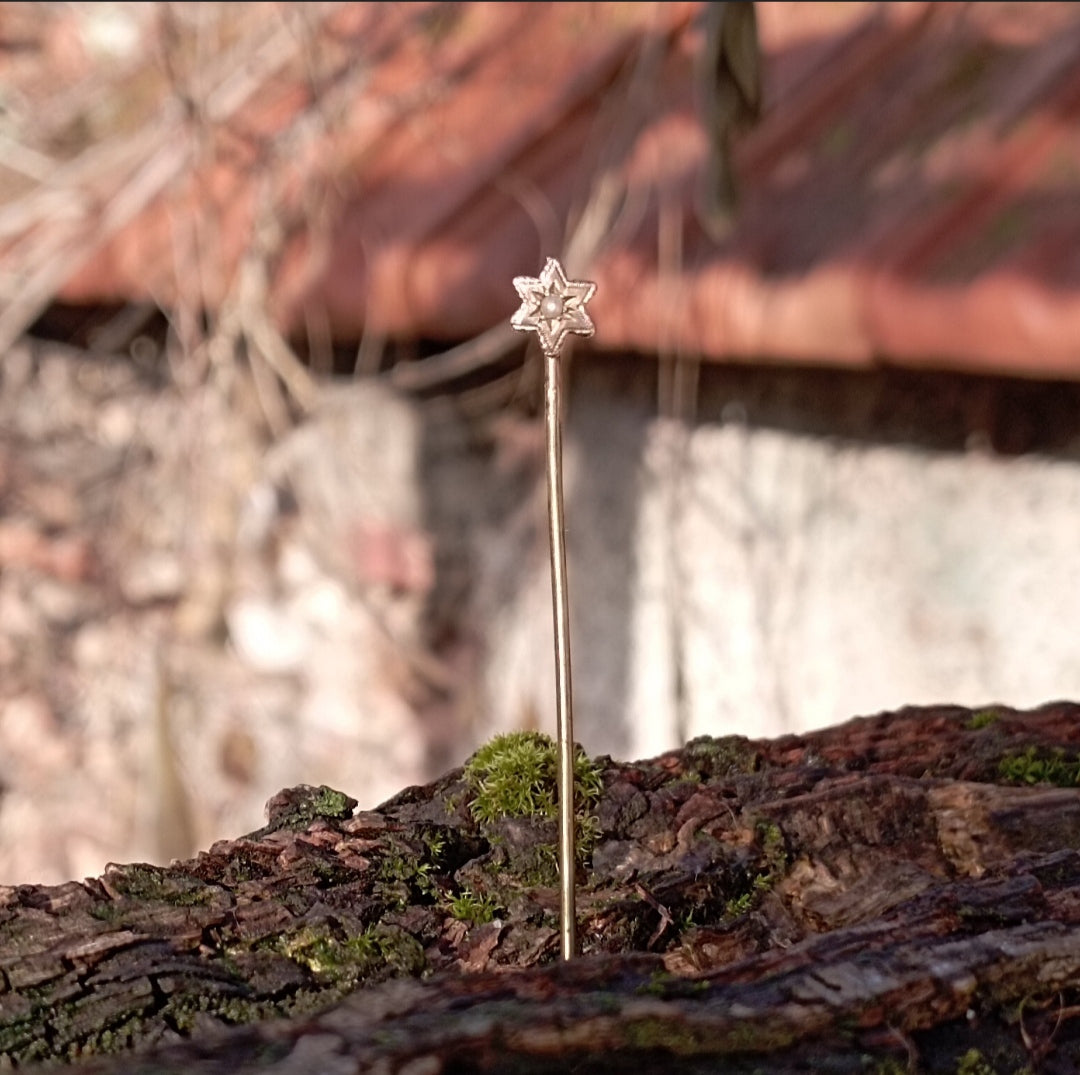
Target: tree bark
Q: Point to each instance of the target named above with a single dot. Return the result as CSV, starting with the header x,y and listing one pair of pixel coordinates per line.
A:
x,y
901,892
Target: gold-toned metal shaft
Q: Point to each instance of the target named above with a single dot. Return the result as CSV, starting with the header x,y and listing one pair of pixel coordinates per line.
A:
x,y
554,307
564,715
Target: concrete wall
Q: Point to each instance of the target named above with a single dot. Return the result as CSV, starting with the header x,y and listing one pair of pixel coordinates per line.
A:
x,y
734,575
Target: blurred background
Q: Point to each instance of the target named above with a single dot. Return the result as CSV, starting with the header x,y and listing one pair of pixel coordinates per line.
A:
x,y
272,506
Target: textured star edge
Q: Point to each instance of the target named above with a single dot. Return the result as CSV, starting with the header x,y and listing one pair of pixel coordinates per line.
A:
x,y
574,294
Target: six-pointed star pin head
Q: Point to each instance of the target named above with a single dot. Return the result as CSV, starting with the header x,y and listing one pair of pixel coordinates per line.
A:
x,y
552,306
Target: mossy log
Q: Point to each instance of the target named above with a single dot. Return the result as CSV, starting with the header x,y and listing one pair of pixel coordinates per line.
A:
x,y
898,893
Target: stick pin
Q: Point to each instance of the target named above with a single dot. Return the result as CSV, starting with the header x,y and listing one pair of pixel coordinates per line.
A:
x,y
553,307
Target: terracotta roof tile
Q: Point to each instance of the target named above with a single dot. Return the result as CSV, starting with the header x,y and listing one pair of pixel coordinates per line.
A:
x,y
910,196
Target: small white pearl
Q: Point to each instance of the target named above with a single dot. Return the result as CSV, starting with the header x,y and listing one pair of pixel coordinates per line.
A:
x,y
551,307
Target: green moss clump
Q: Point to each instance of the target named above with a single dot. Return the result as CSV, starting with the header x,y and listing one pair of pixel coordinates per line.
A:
x,y
343,961
744,884
469,907
670,986
1035,767
982,719
185,1010
296,808
774,858
107,911
515,775
889,1066
161,884
406,875
240,867
740,905
718,758
974,1063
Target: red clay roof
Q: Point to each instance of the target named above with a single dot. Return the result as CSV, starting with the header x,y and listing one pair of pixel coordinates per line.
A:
x,y
911,195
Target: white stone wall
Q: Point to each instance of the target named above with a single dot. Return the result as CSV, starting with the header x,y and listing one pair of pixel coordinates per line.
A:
x,y
764,581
